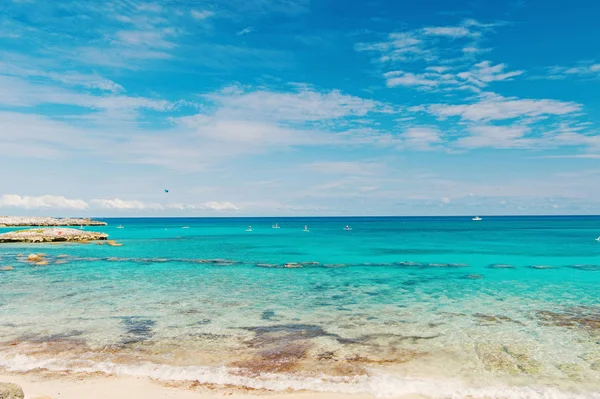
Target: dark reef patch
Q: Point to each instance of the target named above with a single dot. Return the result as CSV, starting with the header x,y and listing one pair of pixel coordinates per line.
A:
x,y
137,329
574,317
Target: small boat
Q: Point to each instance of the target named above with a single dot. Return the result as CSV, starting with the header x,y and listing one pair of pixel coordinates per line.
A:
x,y
275,226
347,228
306,230
477,218
598,239
249,229
185,227
120,226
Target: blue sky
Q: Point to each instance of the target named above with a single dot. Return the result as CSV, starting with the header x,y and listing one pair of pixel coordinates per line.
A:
x,y
299,107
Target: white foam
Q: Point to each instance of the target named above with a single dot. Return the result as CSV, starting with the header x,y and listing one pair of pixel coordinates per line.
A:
x,y
379,385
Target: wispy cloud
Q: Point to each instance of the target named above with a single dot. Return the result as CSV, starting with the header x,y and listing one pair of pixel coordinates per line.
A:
x,y
585,70
200,15
450,31
496,107
364,168
136,205
245,31
449,66
478,77
300,105
422,138
490,136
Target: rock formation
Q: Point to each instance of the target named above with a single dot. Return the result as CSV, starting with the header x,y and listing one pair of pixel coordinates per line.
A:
x,y
11,221
51,235
11,391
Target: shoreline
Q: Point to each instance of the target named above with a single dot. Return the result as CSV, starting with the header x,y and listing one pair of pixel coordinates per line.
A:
x,y
44,385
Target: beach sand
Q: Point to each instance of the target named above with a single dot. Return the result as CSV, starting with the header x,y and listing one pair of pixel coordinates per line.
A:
x,y
51,386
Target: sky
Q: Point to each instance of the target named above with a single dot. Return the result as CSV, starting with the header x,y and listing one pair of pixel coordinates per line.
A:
x,y
299,107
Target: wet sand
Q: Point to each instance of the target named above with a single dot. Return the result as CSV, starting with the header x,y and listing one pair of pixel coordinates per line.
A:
x,y
51,386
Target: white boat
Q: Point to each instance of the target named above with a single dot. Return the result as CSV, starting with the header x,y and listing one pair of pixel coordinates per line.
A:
x,y
347,228
120,226
185,227
306,230
249,229
477,218
598,239
275,226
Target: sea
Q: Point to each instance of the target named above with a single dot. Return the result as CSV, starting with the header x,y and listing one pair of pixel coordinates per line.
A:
x,y
443,307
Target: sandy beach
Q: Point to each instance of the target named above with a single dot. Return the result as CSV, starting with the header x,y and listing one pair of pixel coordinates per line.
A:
x,y
45,386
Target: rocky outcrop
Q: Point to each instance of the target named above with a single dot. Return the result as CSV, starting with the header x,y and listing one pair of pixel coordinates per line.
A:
x,y
51,235
13,221
11,391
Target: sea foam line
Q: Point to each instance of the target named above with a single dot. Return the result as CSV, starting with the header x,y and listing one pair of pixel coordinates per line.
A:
x,y
378,385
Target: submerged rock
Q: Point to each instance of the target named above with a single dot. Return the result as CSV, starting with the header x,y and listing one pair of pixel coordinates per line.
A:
x,y
507,359
6,268
486,318
501,266
541,267
11,391
35,258
588,318
113,243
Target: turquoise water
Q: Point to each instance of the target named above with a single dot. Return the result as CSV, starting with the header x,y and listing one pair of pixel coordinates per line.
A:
x,y
443,307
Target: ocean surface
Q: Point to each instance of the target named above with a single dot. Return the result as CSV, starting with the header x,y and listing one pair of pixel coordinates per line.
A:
x,y
506,307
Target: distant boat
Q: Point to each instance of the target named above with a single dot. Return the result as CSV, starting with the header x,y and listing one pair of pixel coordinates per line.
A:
x,y
598,239
275,226
185,227
249,229
477,218
306,230
347,228
120,226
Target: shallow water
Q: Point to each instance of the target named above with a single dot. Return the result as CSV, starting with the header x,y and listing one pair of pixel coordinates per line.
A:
x,y
445,307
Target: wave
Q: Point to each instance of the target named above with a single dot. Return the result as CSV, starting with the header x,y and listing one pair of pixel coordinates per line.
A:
x,y
377,385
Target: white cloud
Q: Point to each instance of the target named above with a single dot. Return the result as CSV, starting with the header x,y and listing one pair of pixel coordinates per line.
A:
x,y
421,138
41,202
219,206
245,31
495,137
416,47
90,81
155,38
302,105
449,31
435,76
346,168
117,203
20,93
495,107
151,7
484,72
200,15
585,70
400,78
